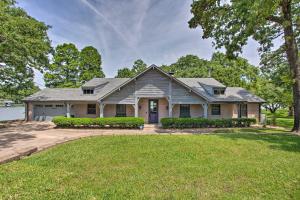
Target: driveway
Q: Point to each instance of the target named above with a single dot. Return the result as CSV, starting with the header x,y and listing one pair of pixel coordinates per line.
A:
x,y
21,138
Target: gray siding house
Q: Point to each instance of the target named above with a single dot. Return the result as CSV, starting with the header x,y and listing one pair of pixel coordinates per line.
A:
x,y
152,94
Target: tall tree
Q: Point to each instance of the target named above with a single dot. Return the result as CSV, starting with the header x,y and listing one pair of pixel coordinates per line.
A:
x,y
90,64
231,23
276,69
234,72
64,69
138,66
24,45
16,83
271,93
124,73
242,74
189,66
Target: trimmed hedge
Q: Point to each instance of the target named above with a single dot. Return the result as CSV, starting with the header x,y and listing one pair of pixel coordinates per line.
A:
x,y
110,122
206,123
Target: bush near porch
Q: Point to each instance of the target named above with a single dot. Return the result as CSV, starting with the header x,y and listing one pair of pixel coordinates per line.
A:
x,y
206,123
110,122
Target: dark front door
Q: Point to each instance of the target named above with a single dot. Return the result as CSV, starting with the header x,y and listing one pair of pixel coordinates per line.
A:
x,y
153,110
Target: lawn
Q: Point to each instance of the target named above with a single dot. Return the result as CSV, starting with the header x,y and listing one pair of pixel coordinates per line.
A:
x,y
241,164
282,118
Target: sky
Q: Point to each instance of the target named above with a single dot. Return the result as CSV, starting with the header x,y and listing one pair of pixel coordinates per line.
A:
x,y
155,31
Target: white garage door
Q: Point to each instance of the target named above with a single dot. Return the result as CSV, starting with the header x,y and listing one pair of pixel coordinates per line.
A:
x,y
45,112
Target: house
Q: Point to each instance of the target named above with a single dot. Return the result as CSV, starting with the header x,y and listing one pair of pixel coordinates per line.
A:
x,y
152,94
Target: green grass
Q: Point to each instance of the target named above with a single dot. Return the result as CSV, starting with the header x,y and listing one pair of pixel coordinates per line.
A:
x,y
282,118
243,164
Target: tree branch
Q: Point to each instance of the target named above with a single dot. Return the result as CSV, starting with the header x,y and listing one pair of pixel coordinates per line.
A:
x,y
275,19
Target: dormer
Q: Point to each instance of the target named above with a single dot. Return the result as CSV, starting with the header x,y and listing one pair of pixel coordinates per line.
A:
x,y
218,90
88,90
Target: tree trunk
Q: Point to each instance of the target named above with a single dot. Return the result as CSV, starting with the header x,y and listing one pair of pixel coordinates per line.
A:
x,y
293,59
291,111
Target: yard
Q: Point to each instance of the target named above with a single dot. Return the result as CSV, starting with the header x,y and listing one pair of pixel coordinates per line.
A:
x,y
282,118
242,164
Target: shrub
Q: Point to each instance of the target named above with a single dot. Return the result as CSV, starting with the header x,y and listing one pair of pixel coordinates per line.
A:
x,y
111,122
206,123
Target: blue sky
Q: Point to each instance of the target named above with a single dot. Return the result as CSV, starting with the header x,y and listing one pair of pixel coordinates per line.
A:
x,y
123,31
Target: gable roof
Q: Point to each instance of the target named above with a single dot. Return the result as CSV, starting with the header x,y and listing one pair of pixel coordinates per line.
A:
x,y
104,87
160,70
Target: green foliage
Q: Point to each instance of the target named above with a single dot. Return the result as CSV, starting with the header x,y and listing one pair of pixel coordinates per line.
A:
x,y
271,93
72,68
64,69
138,67
206,123
124,73
189,66
242,74
90,64
276,70
109,122
24,45
232,23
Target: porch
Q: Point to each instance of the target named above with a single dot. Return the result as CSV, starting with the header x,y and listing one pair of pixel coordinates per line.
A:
x,y
153,109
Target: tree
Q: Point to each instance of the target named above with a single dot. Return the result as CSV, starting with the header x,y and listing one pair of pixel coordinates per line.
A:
x,y
276,69
16,83
235,72
124,73
189,66
138,67
232,23
24,45
90,64
271,93
242,74
64,69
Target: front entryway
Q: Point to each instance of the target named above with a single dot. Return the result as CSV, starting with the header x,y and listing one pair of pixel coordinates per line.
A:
x,y
153,111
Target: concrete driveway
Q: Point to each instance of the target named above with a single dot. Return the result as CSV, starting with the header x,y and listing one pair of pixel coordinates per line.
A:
x,y
21,138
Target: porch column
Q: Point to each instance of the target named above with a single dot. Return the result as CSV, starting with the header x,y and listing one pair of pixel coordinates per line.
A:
x,y
205,110
68,110
136,107
101,108
170,107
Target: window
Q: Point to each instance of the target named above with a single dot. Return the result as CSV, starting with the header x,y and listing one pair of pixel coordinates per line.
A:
x,y
59,106
38,106
48,106
243,111
91,109
88,91
219,91
215,109
185,110
120,110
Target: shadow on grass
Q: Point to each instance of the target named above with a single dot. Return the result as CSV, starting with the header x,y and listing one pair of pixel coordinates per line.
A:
x,y
278,139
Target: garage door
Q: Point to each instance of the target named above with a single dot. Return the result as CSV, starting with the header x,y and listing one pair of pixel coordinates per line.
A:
x,y
45,112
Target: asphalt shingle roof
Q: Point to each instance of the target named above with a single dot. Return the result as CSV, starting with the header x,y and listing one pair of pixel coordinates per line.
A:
x,y
102,86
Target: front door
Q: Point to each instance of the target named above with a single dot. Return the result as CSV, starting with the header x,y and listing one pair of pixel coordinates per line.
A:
x,y
153,111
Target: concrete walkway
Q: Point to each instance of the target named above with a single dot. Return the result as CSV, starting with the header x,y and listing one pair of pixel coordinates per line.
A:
x,y
20,138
